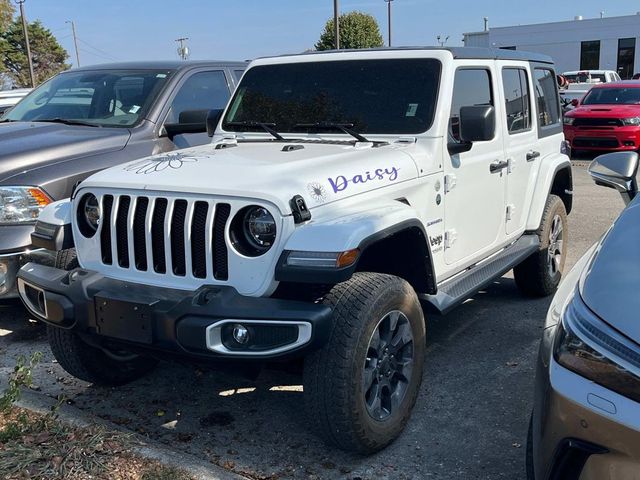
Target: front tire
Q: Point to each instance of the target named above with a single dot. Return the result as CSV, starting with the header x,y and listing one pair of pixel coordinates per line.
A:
x,y
92,364
361,386
539,274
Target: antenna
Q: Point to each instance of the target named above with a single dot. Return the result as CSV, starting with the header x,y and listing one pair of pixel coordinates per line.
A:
x,y
183,49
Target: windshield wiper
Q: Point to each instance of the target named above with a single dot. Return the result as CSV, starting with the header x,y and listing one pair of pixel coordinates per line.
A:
x,y
343,127
66,121
267,127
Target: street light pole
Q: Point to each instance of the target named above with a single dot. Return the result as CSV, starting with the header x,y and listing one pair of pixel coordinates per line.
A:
x,y
388,2
26,42
336,24
75,40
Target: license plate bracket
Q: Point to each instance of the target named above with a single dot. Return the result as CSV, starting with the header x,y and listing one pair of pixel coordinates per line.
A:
x,y
124,319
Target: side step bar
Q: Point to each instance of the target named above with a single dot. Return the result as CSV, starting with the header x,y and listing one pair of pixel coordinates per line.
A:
x,y
456,290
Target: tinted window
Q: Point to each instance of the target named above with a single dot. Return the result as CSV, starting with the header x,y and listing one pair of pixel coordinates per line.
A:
x,y
516,94
472,86
201,91
111,98
612,96
375,96
545,86
590,55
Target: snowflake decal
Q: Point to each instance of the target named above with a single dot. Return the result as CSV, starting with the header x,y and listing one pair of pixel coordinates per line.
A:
x,y
317,191
158,164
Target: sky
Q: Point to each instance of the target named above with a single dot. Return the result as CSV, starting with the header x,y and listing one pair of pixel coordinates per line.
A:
x,y
123,30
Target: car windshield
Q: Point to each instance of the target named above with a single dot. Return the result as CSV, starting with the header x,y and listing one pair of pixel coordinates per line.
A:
x,y
612,96
389,96
107,98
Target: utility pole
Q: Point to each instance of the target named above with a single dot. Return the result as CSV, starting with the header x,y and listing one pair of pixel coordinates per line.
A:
x,y
388,2
183,50
336,24
26,42
75,40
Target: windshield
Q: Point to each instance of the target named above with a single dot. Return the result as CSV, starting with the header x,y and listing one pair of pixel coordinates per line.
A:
x,y
612,96
109,98
395,96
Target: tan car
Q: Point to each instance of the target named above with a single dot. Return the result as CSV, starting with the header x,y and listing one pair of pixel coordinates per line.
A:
x,y
586,417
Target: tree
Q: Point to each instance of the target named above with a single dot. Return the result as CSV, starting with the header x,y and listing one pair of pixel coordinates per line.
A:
x,y
357,30
6,14
47,54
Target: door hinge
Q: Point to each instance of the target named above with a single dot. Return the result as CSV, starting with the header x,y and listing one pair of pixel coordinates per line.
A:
x,y
449,183
511,165
510,211
450,237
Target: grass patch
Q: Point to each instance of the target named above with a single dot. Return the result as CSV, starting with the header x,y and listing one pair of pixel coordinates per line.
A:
x,y
40,446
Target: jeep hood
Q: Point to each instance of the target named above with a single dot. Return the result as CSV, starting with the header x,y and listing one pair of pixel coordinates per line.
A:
x,y
272,171
612,281
25,146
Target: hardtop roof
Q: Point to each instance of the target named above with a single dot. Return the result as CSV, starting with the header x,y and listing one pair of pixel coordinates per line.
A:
x,y
161,65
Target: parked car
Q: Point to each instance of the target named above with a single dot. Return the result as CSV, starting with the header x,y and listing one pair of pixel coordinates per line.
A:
x,y
607,118
570,99
91,118
591,76
586,416
341,188
8,98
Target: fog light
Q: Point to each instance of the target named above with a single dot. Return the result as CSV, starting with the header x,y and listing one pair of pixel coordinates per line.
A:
x,y
240,334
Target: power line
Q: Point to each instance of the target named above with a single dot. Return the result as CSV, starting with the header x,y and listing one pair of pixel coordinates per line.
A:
x,y
96,54
98,50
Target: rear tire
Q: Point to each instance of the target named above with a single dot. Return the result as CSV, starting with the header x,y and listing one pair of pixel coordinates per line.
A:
x,y
361,386
540,273
92,364
529,452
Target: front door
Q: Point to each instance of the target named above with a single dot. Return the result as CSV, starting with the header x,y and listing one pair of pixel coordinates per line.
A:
x,y
474,194
520,139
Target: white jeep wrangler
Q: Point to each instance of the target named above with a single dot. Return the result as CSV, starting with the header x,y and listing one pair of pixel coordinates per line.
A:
x,y
341,194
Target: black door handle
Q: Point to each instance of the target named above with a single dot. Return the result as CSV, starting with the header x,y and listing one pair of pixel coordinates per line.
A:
x,y
498,166
532,155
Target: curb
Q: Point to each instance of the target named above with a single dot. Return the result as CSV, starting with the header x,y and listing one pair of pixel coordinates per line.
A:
x,y
580,163
197,468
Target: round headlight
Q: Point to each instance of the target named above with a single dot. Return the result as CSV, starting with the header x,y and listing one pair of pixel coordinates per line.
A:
x,y
253,231
88,215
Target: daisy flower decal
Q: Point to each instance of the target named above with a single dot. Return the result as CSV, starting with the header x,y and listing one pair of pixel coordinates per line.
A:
x,y
158,164
317,191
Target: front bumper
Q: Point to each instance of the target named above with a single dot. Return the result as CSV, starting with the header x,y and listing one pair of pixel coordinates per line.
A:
x,y
581,430
161,320
603,138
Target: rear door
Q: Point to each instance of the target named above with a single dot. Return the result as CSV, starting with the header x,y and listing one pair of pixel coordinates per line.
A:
x,y
474,195
520,138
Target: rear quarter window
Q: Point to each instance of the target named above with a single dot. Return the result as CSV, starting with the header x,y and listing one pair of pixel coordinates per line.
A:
x,y
546,94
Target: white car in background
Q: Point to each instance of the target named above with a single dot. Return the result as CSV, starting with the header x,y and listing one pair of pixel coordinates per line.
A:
x,y
8,98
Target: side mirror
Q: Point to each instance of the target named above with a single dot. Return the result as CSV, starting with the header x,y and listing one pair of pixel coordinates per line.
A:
x,y
617,170
477,123
575,102
189,121
213,118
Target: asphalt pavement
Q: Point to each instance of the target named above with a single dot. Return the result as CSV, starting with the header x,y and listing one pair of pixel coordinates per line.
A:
x,y
469,422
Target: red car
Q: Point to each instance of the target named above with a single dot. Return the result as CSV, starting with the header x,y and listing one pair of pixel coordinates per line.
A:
x,y
607,118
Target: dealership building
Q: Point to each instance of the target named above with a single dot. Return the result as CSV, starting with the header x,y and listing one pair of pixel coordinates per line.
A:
x,y
607,43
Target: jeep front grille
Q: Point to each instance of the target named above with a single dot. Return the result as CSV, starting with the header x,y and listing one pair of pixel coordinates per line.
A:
x,y
182,236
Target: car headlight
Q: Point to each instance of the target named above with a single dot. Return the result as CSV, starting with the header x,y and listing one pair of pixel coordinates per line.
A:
x,y
21,204
253,231
633,121
568,120
589,347
88,215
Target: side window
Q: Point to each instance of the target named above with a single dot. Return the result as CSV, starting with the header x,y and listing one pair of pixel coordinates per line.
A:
x,y
546,97
516,94
472,86
201,91
238,74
